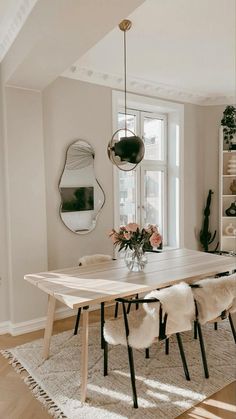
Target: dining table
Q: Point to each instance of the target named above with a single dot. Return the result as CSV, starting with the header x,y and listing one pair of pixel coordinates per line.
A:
x,y
85,287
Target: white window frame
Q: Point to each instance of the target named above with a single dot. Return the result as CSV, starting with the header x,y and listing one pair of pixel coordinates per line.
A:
x,y
156,165
161,168
175,114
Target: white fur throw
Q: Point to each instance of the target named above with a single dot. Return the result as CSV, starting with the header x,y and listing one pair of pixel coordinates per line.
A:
x,y
177,301
114,329
97,258
214,296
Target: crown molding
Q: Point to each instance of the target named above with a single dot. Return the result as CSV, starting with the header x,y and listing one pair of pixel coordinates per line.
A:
x,y
15,25
14,86
145,87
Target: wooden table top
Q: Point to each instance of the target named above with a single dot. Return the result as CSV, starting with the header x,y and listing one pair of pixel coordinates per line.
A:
x,y
100,282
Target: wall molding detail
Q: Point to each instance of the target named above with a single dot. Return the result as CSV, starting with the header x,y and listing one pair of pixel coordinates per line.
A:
x,y
146,87
15,25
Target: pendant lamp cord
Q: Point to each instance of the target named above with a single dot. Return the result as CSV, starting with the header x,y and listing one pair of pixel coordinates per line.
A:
x,y
125,82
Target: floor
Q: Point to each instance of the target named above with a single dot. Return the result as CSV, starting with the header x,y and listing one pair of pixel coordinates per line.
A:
x,y
17,402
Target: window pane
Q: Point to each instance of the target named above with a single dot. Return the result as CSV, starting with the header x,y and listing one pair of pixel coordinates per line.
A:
x,y
128,198
131,123
153,198
153,138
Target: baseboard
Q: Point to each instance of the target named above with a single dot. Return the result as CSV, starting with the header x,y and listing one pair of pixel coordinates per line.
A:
x,y
16,329
32,325
4,328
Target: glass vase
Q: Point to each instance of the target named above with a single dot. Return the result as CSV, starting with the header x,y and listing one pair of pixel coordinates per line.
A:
x,y
135,259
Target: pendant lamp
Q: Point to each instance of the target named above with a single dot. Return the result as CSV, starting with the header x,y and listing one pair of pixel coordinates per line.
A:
x,y
125,149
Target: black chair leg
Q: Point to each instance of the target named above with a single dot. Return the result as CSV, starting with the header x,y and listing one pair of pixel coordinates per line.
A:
x,y
77,321
203,352
167,345
132,376
102,325
105,364
195,330
215,326
116,310
136,305
182,354
129,307
147,355
232,327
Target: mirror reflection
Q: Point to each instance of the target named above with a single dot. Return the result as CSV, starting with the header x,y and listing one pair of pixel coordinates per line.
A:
x,y
82,197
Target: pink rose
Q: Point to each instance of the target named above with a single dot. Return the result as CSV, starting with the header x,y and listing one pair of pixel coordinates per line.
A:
x,y
155,229
127,235
155,239
132,227
148,229
122,228
151,228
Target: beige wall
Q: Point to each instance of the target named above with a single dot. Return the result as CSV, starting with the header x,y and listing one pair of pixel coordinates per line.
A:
x,y
212,117
4,301
193,174
201,163
75,110
39,130
27,233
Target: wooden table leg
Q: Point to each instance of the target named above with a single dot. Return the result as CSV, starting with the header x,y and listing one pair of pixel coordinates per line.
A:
x,y
49,326
84,355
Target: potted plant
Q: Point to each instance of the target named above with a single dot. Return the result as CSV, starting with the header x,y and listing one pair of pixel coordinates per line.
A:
x,y
229,126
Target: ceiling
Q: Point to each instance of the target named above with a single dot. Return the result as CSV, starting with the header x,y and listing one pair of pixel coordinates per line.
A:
x,y
179,49
184,49
13,14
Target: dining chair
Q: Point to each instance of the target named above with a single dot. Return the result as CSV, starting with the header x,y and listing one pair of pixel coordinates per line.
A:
x,y
162,313
218,275
215,300
86,261
226,273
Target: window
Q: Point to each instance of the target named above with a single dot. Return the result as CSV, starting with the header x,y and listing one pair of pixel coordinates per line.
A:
x,y
153,192
142,192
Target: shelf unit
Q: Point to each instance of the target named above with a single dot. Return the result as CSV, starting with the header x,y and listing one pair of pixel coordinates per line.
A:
x,y
227,243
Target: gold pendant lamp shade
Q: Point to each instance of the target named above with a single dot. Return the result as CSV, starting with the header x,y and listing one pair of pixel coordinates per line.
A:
x,y
125,149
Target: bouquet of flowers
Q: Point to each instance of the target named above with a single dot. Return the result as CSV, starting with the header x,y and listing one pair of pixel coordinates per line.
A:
x,y
133,236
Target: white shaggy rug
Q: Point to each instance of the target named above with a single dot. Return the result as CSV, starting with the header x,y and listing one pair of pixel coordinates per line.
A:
x,y
162,389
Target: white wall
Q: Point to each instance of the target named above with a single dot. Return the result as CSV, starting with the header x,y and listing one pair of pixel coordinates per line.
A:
x,y
212,116
201,161
193,173
36,143
25,184
201,154
4,306
75,110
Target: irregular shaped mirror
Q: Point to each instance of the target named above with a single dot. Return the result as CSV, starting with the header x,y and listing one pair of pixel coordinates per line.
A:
x,y
82,197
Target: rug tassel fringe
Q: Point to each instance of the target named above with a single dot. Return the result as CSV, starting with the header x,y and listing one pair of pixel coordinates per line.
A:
x,y
34,387
12,361
43,398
